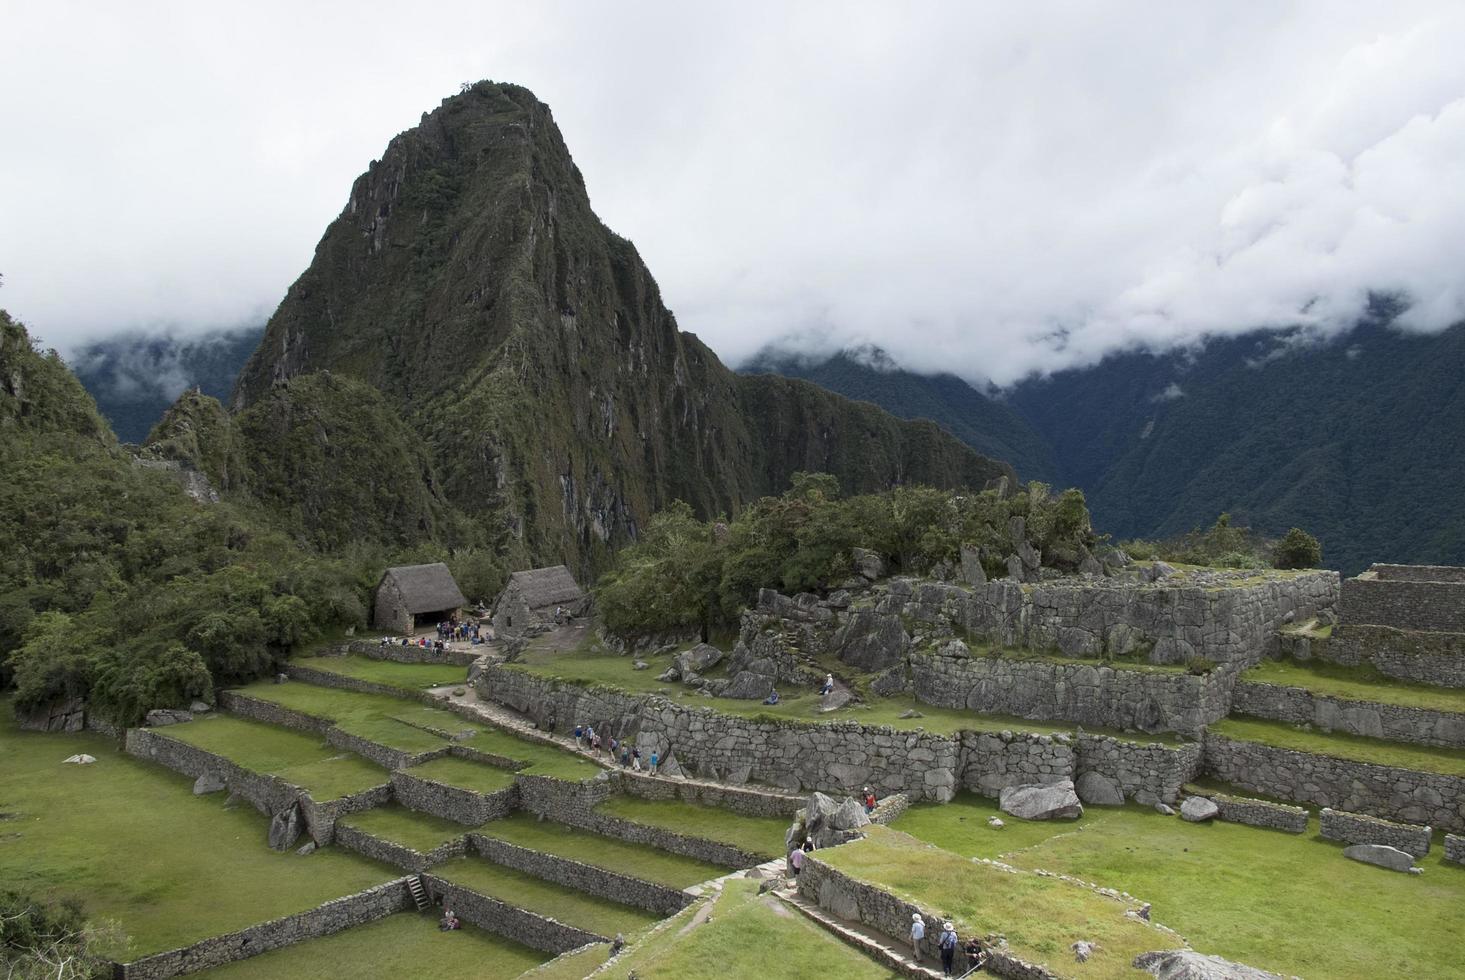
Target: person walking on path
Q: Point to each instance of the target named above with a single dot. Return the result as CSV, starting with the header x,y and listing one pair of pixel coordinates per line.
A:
x,y
636,760
579,736
654,760
918,932
947,943
796,861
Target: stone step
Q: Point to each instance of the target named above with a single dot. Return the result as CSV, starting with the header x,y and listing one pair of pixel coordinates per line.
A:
x,y
877,946
418,893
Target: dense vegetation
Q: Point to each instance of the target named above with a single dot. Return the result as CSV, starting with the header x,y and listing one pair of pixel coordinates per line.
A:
x,y
53,941
684,572
1227,545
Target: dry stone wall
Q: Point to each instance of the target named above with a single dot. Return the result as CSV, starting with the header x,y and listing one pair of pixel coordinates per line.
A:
x,y
582,877
1455,848
410,654
1360,828
1147,773
739,799
1098,695
1260,813
1431,606
1394,722
331,917
1381,791
535,931
271,713
398,855
464,806
1406,655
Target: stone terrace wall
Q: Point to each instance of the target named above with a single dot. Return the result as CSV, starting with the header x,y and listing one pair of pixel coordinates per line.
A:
x,y
1396,723
1418,573
271,713
1147,773
464,806
1381,791
409,654
398,855
1260,813
1413,605
1088,617
989,761
1455,848
1097,695
1359,828
535,931
333,916
745,800
582,877
327,678
1407,655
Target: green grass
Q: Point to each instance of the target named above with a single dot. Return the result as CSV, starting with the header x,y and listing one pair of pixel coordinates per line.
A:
x,y
466,774
1362,683
405,945
420,831
540,759
633,860
295,757
1041,917
408,677
745,935
574,965
1282,902
756,835
1450,762
132,842
575,908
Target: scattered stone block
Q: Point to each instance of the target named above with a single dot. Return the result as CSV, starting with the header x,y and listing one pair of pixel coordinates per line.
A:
x,y
698,660
1083,949
1359,828
640,665
1097,789
285,828
200,707
1380,854
209,782
1455,848
1044,801
159,717
80,759
1165,808
306,849
1198,809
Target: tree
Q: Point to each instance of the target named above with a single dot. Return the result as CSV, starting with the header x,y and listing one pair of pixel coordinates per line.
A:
x,y
53,942
668,580
1298,550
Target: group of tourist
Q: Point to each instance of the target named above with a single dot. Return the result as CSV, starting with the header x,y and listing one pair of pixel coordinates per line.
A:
x,y
619,750
459,630
948,943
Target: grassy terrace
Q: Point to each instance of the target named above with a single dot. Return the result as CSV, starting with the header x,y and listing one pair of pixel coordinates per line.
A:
x,y
132,842
1240,892
394,722
597,915
610,670
633,860
756,835
745,935
1041,917
295,757
466,774
420,831
404,945
1425,758
408,677
1356,683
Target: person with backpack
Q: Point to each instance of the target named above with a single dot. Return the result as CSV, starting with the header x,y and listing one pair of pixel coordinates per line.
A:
x,y
947,944
918,932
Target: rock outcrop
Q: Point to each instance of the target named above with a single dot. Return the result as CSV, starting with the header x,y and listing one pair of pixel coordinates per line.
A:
x,y
1048,801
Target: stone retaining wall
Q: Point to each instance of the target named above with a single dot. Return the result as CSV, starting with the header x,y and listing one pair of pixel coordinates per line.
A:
x,y
528,928
582,877
1302,777
889,810
464,806
1406,655
326,678
271,713
1360,828
333,916
1147,773
409,654
1260,813
1433,606
857,901
398,855
1098,695
1376,719
1223,623
739,799
1455,848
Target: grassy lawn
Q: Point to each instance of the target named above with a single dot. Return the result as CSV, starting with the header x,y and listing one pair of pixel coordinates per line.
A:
x,y
575,965
1252,895
295,757
1041,917
1450,762
408,677
1362,683
406,944
134,844
633,860
540,759
420,831
745,935
597,915
756,835
609,670
464,774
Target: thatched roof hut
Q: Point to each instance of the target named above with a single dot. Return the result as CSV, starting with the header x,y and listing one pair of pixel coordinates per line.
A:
x,y
531,598
410,596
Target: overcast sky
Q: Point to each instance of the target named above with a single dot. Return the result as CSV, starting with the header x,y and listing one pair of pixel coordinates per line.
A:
x,y
987,188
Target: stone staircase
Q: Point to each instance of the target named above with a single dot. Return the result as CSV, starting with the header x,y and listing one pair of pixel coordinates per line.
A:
x,y
881,948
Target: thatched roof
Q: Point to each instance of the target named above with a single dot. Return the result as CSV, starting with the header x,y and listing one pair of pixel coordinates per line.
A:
x,y
542,587
426,588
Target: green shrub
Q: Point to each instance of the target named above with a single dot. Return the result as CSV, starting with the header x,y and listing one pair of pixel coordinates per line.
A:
x,y
1297,550
1199,666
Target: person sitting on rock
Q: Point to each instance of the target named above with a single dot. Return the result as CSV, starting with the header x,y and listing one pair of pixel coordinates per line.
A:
x,y
449,921
828,684
772,697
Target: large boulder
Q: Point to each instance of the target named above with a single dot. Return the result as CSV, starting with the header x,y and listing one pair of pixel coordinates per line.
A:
x,y
748,686
831,822
1097,789
167,716
698,660
209,782
972,572
1187,964
1045,801
1382,855
64,715
1198,809
871,640
868,564
285,828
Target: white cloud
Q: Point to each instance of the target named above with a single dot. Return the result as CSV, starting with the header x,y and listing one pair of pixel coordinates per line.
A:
x,y
988,189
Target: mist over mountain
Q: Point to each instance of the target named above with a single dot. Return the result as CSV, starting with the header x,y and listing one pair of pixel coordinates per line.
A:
x,y
1357,438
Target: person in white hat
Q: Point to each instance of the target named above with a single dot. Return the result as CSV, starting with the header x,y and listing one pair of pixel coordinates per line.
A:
x,y
947,945
918,932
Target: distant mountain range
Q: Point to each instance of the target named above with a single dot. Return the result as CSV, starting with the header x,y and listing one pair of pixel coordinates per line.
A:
x,y
1357,439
